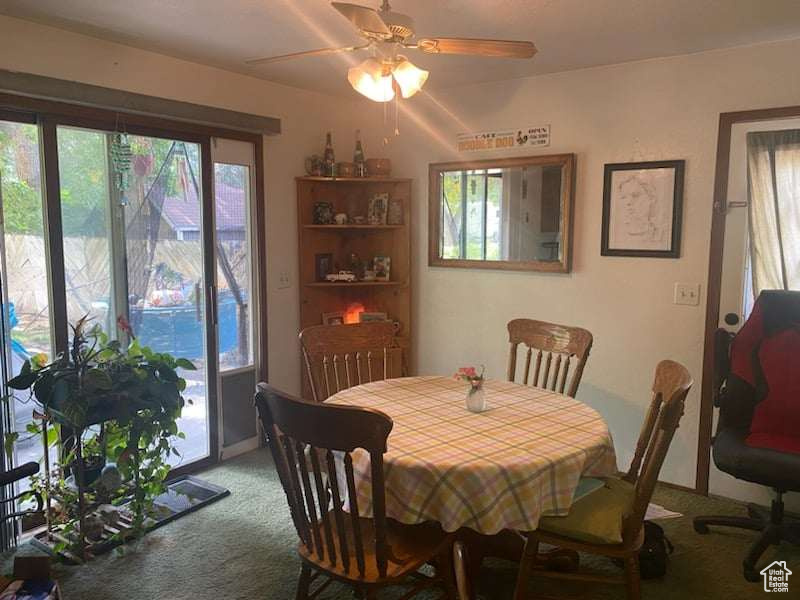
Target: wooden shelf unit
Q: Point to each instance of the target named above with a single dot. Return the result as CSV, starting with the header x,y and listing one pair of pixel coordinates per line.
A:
x,y
330,284
351,195
353,227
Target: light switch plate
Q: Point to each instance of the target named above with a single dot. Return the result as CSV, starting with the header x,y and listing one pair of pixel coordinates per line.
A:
x,y
687,293
283,280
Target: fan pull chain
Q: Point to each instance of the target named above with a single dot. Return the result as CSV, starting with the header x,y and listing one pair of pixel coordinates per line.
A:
x,y
385,123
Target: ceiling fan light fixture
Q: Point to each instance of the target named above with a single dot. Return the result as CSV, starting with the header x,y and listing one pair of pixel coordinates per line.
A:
x,y
371,80
409,78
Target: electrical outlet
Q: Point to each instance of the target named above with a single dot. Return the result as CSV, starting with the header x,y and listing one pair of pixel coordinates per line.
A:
x,y
687,293
283,280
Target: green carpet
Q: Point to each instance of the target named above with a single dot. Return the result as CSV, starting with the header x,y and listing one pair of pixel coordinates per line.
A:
x,y
243,547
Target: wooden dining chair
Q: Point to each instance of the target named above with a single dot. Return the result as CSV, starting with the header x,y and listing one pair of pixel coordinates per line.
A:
x,y
338,357
312,445
609,521
558,348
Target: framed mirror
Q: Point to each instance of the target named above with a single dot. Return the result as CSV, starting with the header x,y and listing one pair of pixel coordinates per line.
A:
x,y
505,213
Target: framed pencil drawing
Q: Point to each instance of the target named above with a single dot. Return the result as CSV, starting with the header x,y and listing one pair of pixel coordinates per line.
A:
x,y
642,207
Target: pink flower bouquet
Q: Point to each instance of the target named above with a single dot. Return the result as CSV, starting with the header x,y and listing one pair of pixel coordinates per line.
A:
x,y
471,375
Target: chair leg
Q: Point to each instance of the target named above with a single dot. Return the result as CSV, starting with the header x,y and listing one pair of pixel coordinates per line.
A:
x,y
529,554
303,583
701,523
633,580
768,536
444,572
460,561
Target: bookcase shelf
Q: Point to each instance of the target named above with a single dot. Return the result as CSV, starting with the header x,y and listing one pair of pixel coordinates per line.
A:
x,y
324,284
351,196
353,227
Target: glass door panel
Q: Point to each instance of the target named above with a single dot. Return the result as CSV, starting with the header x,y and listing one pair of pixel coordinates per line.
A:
x,y
234,269
138,252
26,279
237,306
85,221
165,284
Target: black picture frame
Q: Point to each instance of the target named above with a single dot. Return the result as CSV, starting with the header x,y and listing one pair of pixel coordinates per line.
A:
x,y
323,265
674,251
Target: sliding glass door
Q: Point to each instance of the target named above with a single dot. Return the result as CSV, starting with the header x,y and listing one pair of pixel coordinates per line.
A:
x,y
24,272
158,228
135,250
133,247
166,286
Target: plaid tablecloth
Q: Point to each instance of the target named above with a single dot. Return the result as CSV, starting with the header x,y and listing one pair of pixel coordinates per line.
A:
x,y
500,469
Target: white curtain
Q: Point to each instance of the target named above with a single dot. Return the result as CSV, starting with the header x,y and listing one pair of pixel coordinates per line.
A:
x,y
773,173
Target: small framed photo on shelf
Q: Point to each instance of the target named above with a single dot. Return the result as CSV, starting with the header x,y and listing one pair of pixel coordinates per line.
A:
x,y
323,213
366,317
395,213
382,266
333,318
642,204
377,208
323,265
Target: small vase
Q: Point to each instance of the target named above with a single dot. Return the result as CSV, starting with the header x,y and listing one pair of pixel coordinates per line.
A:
x,y
476,399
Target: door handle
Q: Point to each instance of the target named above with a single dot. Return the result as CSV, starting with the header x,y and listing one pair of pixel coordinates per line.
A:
x,y
197,312
212,304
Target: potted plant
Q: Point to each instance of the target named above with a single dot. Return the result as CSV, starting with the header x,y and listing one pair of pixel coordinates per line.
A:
x,y
133,395
94,458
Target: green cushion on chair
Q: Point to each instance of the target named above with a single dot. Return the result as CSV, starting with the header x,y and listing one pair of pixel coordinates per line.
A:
x,y
597,517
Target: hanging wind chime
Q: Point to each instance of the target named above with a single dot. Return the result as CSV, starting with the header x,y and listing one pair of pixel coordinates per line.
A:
x,y
121,160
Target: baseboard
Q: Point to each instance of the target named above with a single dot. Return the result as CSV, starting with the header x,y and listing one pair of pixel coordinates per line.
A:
x,y
681,488
674,486
239,448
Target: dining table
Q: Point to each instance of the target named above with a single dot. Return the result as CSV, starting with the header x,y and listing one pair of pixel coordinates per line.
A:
x,y
488,474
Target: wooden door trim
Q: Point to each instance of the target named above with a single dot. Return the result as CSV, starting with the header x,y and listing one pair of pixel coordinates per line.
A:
x,y
719,205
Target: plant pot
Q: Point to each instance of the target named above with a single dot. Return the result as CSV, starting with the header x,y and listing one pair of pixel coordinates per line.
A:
x,y
92,467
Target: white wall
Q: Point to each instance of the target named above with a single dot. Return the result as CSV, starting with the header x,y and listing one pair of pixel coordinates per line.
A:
x,y
651,110
305,117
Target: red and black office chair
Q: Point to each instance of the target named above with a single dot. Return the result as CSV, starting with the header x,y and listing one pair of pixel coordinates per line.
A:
x,y
757,389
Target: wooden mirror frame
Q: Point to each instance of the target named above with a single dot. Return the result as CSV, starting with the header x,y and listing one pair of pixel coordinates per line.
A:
x,y
567,164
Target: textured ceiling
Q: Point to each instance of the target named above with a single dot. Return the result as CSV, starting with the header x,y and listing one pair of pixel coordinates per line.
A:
x,y
570,34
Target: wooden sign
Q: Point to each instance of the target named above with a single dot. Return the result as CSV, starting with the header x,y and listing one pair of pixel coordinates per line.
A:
x,y
538,137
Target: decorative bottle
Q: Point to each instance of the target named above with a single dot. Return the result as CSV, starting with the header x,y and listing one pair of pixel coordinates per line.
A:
x,y
329,160
358,157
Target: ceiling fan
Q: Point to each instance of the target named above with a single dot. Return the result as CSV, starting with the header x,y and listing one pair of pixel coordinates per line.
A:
x,y
388,32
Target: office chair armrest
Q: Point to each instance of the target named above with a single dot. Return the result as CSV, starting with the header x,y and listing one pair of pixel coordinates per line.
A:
x,y
17,473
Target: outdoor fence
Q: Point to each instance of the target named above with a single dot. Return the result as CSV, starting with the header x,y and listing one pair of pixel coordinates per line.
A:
x,y
88,278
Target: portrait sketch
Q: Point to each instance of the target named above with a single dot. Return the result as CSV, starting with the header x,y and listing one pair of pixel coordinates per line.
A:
x,y
641,209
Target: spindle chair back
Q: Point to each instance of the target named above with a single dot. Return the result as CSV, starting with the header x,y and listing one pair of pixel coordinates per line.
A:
x,y
554,355
313,445
338,357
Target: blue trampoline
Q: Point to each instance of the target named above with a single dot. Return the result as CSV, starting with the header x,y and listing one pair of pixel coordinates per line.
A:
x,y
176,329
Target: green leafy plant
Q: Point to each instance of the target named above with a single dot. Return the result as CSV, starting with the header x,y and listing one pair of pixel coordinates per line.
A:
x,y
134,394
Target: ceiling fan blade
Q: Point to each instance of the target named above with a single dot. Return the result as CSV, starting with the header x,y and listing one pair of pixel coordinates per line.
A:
x,y
364,18
496,48
318,52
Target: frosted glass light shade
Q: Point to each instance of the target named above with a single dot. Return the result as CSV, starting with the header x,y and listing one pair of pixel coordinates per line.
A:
x,y
369,80
410,78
